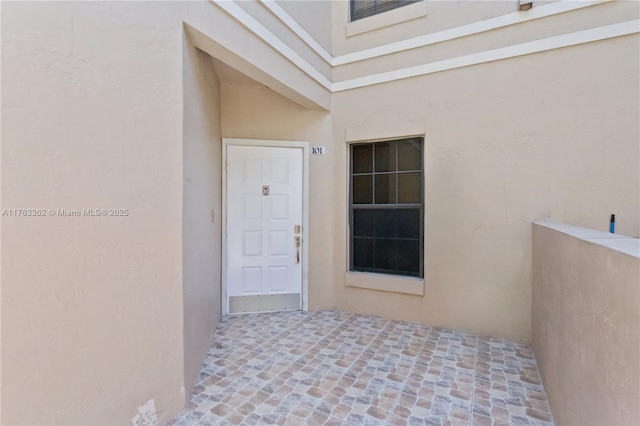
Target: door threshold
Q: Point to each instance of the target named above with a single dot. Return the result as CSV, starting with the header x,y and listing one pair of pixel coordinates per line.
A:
x,y
264,303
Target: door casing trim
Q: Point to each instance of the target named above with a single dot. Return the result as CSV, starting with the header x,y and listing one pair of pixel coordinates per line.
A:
x,y
304,145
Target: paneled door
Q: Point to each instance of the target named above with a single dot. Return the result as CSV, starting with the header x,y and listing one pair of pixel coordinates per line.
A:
x,y
264,223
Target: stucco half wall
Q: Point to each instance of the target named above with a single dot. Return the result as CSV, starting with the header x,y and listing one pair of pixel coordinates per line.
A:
x,y
586,323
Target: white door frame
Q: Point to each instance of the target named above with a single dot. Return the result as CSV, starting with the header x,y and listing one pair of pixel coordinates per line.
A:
x,y
305,210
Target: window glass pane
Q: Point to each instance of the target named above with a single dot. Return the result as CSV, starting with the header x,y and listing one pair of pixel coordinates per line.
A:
x,y
409,188
409,256
386,223
409,223
410,155
388,238
363,189
363,222
362,253
363,8
385,189
386,256
385,155
362,158
384,5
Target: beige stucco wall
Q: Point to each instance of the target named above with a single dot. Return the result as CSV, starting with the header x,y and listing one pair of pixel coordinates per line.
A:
x,y
107,105
256,112
552,134
314,16
440,15
266,18
103,106
202,208
459,46
91,119
232,42
586,323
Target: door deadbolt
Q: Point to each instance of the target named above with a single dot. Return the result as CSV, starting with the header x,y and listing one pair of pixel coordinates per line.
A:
x,y
265,189
296,242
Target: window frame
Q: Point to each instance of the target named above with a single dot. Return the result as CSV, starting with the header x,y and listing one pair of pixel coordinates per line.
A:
x,y
390,206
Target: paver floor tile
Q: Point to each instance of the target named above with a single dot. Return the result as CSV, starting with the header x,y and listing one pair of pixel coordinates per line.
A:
x,y
336,368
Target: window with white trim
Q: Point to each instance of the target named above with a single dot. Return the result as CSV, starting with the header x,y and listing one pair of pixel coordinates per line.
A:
x,y
363,8
387,207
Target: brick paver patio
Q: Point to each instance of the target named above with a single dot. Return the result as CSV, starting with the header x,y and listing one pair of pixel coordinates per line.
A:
x,y
336,368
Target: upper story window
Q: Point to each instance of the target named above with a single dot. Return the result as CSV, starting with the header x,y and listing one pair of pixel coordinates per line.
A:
x,y
363,8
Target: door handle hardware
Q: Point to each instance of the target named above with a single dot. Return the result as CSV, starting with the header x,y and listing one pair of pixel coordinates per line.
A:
x,y
296,229
265,189
296,243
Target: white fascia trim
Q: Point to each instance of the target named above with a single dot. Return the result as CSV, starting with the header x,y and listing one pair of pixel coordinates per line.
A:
x,y
551,43
466,30
286,19
429,39
262,32
556,42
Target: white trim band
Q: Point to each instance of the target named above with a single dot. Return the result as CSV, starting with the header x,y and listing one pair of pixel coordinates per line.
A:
x,y
286,19
267,36
536,46
466,30
551,43
428,39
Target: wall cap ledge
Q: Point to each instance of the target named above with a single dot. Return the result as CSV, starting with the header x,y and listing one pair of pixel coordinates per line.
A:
x,y
621,243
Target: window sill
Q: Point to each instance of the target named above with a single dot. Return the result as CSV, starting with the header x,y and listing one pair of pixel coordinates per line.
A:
x,y
386,19
391,283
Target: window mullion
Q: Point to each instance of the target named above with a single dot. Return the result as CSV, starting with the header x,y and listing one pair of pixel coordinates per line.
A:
x,y
395,150
373,171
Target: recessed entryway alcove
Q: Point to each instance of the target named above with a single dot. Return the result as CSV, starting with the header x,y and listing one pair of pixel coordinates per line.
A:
x,y
227,97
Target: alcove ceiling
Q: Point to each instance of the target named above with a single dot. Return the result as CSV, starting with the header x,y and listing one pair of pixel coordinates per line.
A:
x,y
229,75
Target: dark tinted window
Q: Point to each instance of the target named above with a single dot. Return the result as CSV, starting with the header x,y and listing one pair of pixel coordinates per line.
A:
x,y
363,8
387,207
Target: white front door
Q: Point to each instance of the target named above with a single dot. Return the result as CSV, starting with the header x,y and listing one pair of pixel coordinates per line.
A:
x,y
264,223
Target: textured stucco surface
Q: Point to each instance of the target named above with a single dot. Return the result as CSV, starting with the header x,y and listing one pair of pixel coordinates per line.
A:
x,y
202,208
314,16
441,15
500,152
91,119
586,327
315,10
107,105
554,25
